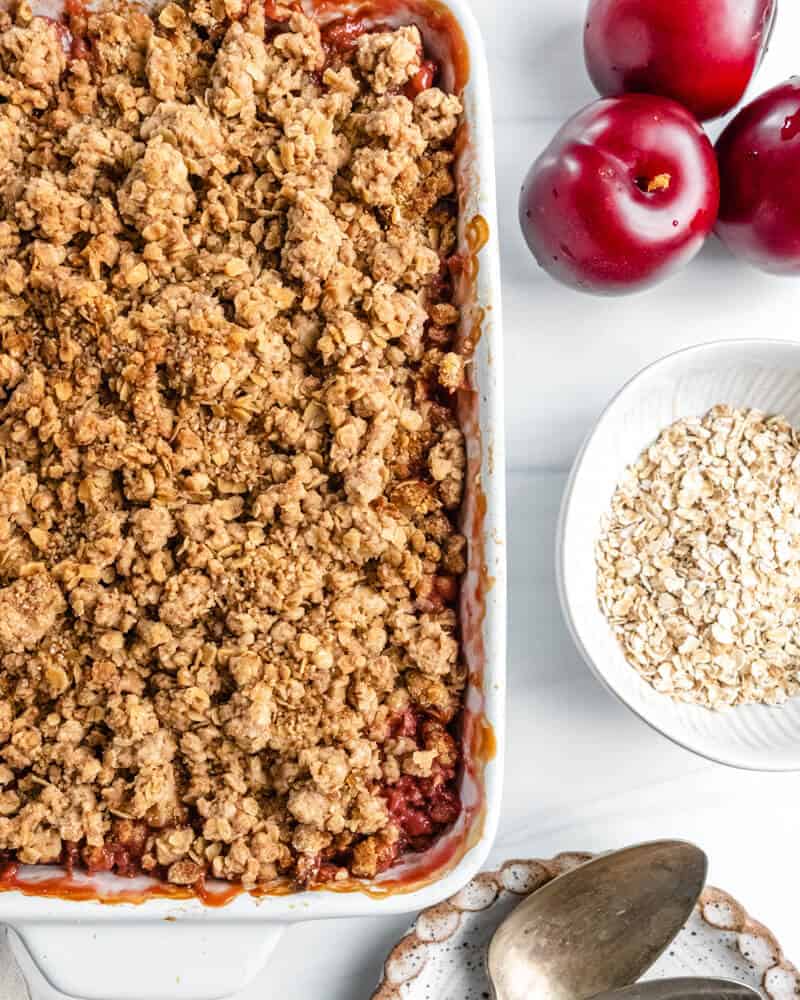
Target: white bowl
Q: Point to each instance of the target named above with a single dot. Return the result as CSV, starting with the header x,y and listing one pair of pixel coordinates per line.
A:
x,y
764,374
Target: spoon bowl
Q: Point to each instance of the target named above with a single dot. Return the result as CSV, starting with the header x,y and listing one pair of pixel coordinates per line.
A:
x,y
599,927
683,989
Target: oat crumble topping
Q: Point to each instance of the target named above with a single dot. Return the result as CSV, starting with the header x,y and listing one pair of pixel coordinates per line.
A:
x,y
230,470
699,560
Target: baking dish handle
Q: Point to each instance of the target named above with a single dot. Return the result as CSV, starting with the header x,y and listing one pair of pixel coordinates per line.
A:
x,y
164,960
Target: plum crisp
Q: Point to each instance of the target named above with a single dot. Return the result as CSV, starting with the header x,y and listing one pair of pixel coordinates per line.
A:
x,y
229,560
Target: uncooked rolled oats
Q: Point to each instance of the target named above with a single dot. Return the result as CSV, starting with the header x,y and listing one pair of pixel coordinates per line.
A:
x,y
230,464
698,562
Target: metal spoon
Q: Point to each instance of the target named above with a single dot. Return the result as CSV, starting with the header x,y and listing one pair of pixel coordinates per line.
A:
x,y
598,927
683,989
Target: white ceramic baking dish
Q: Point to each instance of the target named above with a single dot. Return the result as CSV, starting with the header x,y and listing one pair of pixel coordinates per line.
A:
x,y
185,950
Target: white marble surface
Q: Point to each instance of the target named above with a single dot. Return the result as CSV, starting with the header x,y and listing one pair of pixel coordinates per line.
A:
x,y
582,772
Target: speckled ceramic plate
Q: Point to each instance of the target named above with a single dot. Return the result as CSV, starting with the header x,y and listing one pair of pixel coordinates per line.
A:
x,y
442,956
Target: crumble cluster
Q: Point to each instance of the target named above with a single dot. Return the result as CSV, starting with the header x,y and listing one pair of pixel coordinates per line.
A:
x,y
230,466
699,560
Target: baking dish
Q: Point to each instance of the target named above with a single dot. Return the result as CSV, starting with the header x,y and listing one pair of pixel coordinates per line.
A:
x,y
147,945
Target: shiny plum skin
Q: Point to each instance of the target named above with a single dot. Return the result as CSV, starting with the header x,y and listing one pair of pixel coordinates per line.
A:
x,y
701,53
624,195
759,158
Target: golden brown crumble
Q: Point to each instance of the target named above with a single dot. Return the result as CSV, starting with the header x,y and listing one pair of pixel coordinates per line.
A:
x,y
228,561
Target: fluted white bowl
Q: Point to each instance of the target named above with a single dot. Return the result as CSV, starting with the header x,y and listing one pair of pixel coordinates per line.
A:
x,y
764,374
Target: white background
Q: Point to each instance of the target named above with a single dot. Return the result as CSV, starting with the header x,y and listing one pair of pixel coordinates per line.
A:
x,y
582,772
